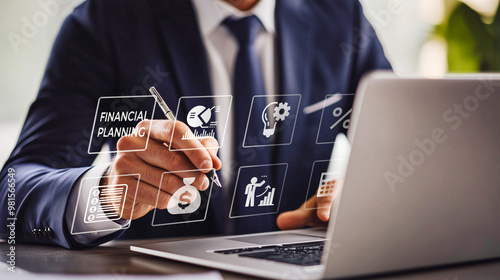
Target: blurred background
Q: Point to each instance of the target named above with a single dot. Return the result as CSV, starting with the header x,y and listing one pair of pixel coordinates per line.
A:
x,y
424,37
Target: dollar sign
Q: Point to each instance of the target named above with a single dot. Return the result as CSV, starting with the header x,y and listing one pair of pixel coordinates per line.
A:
x,y
184,201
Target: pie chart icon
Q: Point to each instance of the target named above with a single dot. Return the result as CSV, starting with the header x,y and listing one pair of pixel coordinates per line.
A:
x,y
199,116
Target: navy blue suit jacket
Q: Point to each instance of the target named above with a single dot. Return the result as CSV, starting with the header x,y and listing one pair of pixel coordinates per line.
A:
x,y
122,47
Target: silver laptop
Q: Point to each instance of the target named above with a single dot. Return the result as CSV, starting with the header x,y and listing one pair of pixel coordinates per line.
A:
x,y
422,188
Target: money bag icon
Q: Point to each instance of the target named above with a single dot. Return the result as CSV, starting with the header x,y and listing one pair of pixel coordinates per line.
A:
x,y
185,200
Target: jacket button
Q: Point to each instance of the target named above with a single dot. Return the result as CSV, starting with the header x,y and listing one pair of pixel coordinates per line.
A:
x,y
48,233
37,232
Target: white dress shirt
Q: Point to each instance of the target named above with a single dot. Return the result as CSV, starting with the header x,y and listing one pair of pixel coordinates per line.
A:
x,y
221,49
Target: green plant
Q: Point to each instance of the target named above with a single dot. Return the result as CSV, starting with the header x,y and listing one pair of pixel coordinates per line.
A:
x,y
473,45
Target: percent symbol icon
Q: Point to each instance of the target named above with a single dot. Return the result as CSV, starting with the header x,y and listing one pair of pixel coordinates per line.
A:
x,y
337,112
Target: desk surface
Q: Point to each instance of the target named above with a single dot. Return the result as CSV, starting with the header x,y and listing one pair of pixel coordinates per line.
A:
x,y
116,259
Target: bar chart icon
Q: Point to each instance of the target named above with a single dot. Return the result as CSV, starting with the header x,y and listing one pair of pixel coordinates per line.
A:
x,y
105,203
268,200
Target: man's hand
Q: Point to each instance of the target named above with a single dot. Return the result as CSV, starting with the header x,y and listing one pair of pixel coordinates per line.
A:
x,y
156,160
314,212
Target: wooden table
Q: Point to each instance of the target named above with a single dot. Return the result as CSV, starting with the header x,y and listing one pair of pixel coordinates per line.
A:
x,y
116,259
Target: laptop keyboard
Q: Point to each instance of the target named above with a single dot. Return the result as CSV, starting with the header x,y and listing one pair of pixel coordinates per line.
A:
x,y
305,254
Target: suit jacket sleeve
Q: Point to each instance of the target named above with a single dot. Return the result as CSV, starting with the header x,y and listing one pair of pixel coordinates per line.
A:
x,y
51,152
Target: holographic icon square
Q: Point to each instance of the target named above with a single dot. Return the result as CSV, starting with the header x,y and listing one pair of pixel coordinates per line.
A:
x,y
100,208
118,116
335,118
322,182
186,205
276,120
258,190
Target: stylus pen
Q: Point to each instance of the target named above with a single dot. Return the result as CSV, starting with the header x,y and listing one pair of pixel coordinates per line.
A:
x,y
168,113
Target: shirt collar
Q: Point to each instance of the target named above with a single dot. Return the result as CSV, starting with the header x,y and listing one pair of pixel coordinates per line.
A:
x,y
211,13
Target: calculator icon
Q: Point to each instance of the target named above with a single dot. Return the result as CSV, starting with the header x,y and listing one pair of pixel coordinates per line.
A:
x,y
326,184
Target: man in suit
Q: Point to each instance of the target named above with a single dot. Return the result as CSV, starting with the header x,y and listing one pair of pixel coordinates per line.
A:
x,y
184,48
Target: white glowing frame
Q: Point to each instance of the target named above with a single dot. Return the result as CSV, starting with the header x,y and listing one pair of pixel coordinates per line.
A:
x,y
95,121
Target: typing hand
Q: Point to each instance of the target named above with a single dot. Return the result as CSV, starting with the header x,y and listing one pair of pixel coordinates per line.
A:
x,y
314,212
156,160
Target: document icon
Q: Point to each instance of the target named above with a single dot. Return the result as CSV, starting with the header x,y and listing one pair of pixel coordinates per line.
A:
x,y
105,203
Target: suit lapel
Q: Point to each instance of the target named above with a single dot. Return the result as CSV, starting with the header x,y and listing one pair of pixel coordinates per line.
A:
x,y
178,26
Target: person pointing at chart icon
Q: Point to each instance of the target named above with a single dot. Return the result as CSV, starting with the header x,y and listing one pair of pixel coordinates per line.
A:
x,y
250,191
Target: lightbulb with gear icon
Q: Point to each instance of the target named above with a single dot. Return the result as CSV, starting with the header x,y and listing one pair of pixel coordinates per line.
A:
x,y
280,112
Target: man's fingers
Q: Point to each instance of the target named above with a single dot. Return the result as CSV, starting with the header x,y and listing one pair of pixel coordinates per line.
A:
x,y
160,156
171,132
149,195
324,213
137,195
296,219
130,163
317,214
324,205
144,193
212,146
293,219
176,162
157,155
139,211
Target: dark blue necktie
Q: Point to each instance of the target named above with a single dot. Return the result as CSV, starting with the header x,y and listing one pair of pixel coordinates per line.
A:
x,y
248,81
